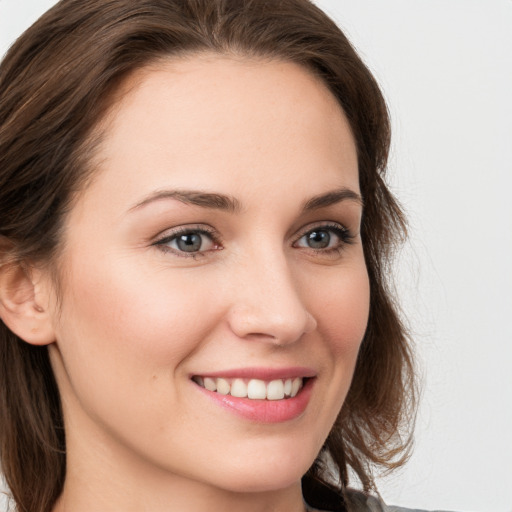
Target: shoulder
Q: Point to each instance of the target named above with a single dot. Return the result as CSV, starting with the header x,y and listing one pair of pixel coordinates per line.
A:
x,y
321,498
360,502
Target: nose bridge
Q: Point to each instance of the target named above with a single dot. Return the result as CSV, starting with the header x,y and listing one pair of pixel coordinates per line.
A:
x,y
266,301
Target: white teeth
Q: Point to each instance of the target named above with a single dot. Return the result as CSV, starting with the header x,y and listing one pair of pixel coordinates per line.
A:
x,y
288,387
254,389
210,384
223,387
296,385
275,390
239,388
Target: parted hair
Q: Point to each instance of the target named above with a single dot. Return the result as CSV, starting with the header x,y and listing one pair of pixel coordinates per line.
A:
x,y
57,82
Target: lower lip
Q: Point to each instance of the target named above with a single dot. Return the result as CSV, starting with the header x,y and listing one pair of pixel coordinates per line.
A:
x,y
264,411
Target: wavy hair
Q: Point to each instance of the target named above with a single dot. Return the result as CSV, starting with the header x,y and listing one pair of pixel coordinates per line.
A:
x,y
57,82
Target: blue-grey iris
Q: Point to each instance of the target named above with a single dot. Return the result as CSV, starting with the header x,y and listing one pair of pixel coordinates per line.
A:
x,y
190,242
319,239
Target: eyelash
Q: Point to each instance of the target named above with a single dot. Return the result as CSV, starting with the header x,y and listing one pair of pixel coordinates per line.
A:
x,y
175,234
343,234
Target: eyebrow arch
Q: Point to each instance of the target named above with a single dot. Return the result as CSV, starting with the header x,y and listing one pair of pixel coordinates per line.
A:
x,y
332,197
232,205
194,197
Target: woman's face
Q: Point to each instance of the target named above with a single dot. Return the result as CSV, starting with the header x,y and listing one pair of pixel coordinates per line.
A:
x,y
218,245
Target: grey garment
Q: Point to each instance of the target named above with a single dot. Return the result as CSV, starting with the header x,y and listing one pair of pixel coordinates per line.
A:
x,y
359,502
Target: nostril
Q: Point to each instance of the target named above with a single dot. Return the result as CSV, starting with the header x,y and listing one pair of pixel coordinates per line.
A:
x,y
260,335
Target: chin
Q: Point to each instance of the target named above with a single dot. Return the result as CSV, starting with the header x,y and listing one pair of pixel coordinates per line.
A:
x,y
270,481
265,473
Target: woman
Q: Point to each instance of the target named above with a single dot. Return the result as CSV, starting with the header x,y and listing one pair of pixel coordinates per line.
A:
x,y
195,234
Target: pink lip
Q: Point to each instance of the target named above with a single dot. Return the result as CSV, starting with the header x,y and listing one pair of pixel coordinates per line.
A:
x,y
266,374
263,411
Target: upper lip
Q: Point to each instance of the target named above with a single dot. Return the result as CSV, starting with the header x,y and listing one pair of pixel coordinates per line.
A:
x,y
261,373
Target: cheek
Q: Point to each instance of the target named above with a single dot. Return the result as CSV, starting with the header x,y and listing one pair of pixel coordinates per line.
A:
x,y
115,312
342,312
124,339
341,308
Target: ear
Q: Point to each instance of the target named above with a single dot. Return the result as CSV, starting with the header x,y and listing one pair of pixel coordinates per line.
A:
x,y
24,304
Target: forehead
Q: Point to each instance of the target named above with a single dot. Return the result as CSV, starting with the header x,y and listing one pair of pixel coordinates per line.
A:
x,y
191,121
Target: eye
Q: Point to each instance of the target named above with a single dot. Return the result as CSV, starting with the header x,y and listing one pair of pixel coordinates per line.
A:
x,y
188,242
325,238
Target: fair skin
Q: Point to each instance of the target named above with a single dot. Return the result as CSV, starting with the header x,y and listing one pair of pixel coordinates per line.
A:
x,y
266,285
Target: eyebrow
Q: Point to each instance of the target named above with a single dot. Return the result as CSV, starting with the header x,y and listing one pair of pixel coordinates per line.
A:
x,y
230,204
194,197
331,198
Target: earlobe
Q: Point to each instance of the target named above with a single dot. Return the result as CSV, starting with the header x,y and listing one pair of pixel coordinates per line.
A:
x,y
20,306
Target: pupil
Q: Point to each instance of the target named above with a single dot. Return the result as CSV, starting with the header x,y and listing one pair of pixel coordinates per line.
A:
x,y
319,239
190,242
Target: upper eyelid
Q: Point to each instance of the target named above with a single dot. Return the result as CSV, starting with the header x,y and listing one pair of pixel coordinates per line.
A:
x,y
162,240
346,237
172,233
192,228
166,236
322,225
205,228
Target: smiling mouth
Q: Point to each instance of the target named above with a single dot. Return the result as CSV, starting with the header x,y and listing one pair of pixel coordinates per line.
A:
x,y
253,389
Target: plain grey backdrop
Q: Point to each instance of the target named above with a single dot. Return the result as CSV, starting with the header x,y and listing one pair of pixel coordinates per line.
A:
x,y
446,70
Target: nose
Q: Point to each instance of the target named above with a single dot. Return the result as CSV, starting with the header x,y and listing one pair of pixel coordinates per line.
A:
x,y
266,303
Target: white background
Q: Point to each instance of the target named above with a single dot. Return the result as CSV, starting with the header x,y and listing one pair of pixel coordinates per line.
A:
x,y
446,69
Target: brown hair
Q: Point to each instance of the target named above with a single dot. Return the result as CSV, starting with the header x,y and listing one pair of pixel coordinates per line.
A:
x,y
55,85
